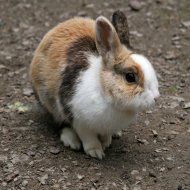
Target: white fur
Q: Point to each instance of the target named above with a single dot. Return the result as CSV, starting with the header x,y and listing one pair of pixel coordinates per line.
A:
x,y
90,141
95,118
151,92
151,81
90,106
70,139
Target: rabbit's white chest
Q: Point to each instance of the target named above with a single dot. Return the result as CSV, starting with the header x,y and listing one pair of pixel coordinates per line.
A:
x,y
90,107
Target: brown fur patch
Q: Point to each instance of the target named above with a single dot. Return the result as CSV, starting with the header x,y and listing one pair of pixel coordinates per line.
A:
x,y
51,58
114,82
126,62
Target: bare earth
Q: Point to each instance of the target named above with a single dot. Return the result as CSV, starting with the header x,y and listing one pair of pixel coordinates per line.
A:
x,y
153,154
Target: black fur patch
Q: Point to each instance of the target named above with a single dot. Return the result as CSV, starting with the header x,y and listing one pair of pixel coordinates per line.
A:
x,y
76,63
119,21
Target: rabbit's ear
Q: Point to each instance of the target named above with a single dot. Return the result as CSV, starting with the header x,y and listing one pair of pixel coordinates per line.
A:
x,y
107,40
119,21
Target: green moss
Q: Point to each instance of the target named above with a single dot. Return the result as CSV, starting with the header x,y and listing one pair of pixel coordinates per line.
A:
x,y
173,89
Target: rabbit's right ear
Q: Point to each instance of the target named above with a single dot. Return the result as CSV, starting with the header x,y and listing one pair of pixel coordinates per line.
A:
x,y
119,21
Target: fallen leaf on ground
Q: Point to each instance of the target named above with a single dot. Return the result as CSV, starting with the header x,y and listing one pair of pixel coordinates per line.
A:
x,y
18,106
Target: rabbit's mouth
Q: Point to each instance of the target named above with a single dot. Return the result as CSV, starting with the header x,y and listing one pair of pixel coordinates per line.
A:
x,y
141,102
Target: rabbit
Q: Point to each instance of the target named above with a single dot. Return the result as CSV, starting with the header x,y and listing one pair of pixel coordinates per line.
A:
x,y
84,74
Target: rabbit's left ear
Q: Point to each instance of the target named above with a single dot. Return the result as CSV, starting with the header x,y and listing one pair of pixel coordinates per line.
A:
x,y
107,40
119,21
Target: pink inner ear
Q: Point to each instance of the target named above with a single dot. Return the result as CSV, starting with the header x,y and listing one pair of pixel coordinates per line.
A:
x,y
104,34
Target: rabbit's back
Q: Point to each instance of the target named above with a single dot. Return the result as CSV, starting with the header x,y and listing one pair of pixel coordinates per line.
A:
x,y
58,58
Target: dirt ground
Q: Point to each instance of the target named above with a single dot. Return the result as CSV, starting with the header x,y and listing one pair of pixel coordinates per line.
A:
x,y
153,154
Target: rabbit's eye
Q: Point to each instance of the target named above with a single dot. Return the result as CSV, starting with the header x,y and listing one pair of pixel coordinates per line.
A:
x,y
130,77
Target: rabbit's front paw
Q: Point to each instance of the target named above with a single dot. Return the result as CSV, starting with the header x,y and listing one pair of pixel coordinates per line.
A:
x,y
95,152
70,139
94,149
90,141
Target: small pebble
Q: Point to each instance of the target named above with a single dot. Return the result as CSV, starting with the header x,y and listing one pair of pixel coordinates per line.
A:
x,y
137,188
143,141
186,105
54,150
56,186
186,23
170,158
4,184
135,5
155,134
25,183
80,177
147,122
174,105
11,177
162,169
27,92
90,5
170,55
82,13
179,187
43,179
134,172
152,174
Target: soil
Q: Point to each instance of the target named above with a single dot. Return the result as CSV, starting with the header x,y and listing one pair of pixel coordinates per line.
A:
x,y
153,153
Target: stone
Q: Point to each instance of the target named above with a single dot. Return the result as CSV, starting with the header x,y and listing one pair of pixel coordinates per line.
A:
x,y
43,179
152,174
24,183
173,105
186,105
155,134
27,92
134,172
12,176
82,13
80,177
135,5
54,150
186,23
